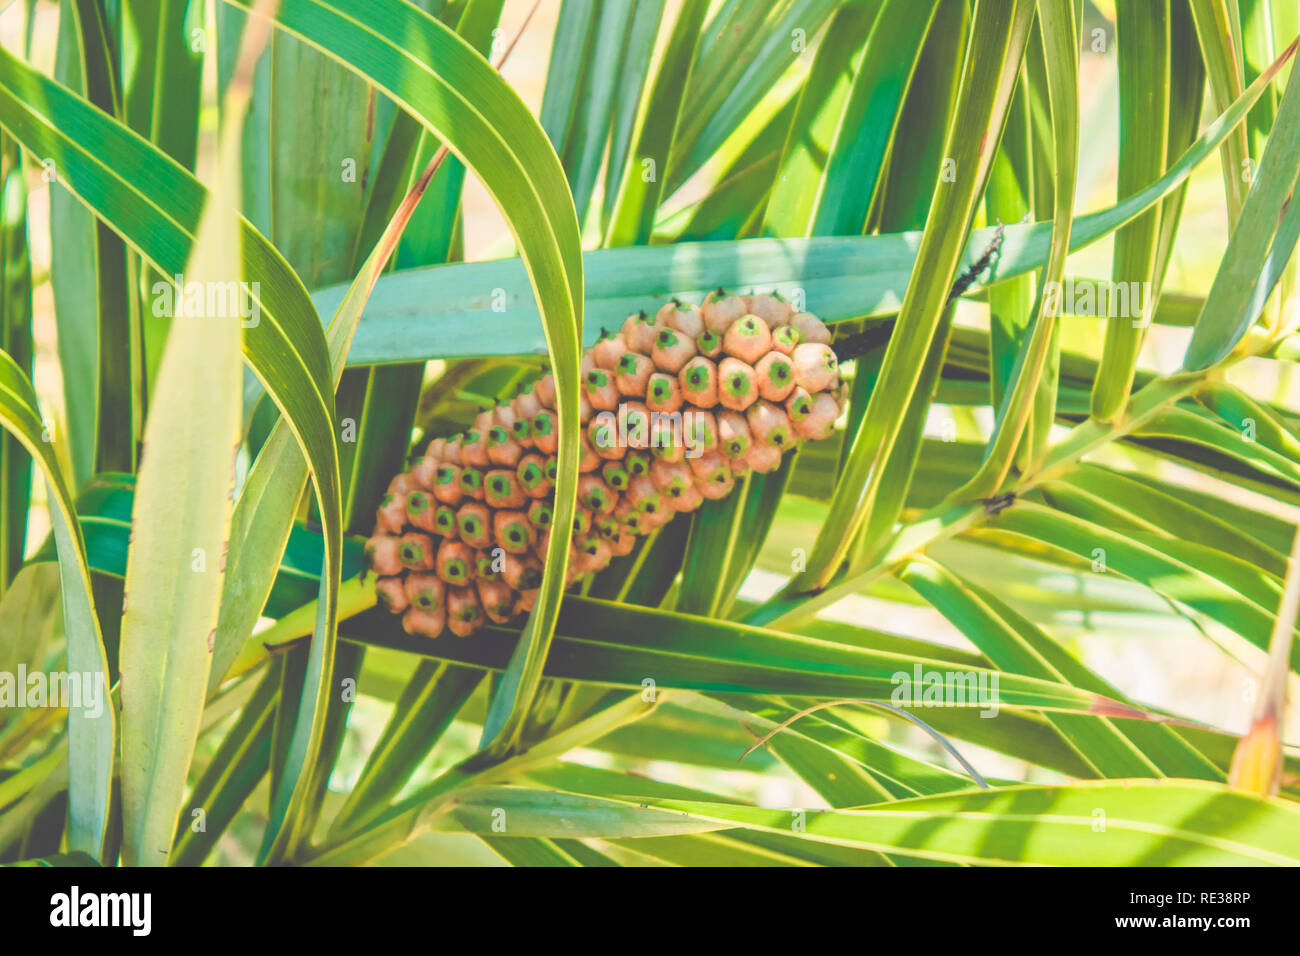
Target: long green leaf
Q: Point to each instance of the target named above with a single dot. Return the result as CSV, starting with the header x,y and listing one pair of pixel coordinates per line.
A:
x,y
631,89
1266,236
1013,643
157,205
592,52
1219,32
1119,823
1222,587
624,645
16,341
871,112
237,767
1024,398
1143,50
738,62
633,215
89,273
92,733
180,529
426,708
816,120
1000,32
411,56
842,277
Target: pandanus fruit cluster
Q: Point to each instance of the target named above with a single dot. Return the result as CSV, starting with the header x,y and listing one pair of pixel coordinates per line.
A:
x,y
675,408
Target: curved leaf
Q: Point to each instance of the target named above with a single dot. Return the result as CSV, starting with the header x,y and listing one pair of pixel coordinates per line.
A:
x,y
439,311
155,204
181,526
1117,823
92,736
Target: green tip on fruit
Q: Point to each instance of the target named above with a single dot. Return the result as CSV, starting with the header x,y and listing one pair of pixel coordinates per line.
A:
x,y
540,514
425,591
444,521
615,475
531,475
412,554
637,463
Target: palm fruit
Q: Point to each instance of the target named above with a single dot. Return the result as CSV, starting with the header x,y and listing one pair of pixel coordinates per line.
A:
x,y
733,433
663,393
737,384
775,374
810,328
709,344
631,372
720,310
772,309
675,408
672,350
698,380
748,339
683,317
769,426
815,367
